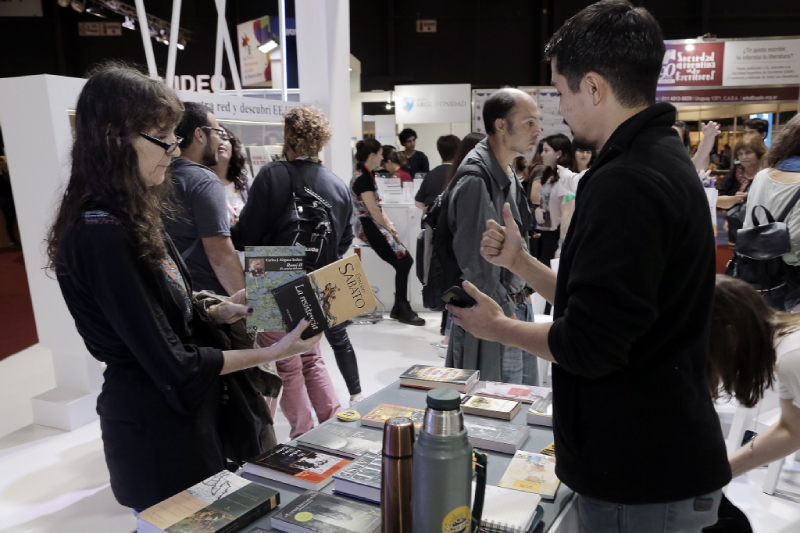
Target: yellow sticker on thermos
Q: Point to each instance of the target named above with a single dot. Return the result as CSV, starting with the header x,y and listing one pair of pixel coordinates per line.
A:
x,y
457,521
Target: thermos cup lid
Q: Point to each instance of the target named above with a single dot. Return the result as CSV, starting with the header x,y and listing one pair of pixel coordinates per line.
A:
x,y
444,399
398,437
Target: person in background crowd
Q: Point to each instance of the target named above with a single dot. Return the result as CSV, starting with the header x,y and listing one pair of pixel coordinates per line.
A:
x,y
7,202
397,166
683,131
511,119
131,295
773,187
584,156
231,169
308,388
433,184
201,228
640,253
734,188
374,228
710,130
417,161
725,157
387,151
553,208
756,126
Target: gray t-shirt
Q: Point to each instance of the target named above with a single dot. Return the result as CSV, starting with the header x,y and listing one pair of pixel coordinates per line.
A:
x,y
201,213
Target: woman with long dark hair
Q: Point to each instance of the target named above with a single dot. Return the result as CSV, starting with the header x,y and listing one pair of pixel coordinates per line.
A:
x,y
469,142
231,170
131,295
553,210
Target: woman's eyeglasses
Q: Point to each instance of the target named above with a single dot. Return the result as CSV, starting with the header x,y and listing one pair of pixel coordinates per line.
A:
x,y
168,147
223,135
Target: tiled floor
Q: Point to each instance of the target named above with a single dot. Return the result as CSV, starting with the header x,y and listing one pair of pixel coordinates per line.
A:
x,y
54,481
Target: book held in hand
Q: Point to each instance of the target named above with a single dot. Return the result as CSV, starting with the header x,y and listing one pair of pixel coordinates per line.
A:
x,y
328,296
436,377
294,466
340,439
491,407
532,472
224,502
361,479
378,416
488,434
511,391
541,411
315,512
267,268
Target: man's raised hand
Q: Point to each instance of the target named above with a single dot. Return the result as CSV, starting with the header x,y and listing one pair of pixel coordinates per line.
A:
x,y
500,245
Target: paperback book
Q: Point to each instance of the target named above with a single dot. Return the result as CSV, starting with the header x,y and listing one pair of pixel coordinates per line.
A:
x,y
315,512
361,479
509,391
494,435
346,440
550,449
294,466
222,503
532,472
434,377
267,268
541,411
491,407
327,296
378,416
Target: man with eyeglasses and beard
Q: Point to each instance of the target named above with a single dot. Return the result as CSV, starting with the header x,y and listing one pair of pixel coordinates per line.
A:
x,y
200,229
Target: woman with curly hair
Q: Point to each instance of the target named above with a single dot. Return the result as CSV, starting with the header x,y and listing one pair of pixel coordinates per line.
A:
x,y
306,381
232,172
130,293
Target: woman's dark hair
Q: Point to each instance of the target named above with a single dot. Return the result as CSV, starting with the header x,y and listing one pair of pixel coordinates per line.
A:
x,y
577,145
520,164
620,42
741,355
237,171
397,158
685,135
467,144
499,105
406,134
194,116
116,104
785,143
559,143
387,149
366,148
447,145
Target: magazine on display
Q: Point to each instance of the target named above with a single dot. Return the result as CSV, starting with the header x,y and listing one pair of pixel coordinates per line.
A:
x,y
361,479
267,268
532,472
347,440
494,435
509,391
491,407
294,466
315,512
328,296
541,411
224,502
378,416
435,377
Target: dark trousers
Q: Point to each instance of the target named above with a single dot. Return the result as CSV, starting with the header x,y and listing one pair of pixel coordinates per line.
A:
x,y
401,265
545,250
345,357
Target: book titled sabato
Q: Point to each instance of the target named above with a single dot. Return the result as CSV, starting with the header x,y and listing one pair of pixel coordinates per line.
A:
x,y
491,407
315,512
361,479
340,439
532,472
494,435
434,377
222,503
327,296
294,466
266,269
541,411
378,416
510,391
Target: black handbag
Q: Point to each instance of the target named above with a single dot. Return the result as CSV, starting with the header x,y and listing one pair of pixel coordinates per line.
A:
x,y
758,254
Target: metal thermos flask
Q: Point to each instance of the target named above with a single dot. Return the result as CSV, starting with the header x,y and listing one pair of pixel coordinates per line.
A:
x,y
443,469
398,454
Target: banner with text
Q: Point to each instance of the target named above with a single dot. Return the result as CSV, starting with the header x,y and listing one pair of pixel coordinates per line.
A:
x,y
432,104
229,107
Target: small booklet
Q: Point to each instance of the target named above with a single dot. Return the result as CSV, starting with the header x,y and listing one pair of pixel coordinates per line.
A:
x,y
494,435
509,510
434,377
361,479
224,502
267,268
295,466
315,512
541,411
378,416
328,296
491,407
532,472
510,391
346,440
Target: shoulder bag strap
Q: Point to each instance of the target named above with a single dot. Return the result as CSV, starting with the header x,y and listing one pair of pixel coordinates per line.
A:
x,y
790,205
187,252
473,169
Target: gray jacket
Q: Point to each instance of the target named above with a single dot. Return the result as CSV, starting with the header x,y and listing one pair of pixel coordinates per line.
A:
x,y
470,208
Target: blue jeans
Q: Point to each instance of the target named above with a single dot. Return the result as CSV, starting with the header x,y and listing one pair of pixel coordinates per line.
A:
x,y
685,516
518,365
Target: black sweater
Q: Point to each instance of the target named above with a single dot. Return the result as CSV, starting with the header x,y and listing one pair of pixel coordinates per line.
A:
x,y
633,418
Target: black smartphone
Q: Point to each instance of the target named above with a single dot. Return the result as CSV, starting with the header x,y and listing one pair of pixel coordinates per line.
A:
x,y
457,296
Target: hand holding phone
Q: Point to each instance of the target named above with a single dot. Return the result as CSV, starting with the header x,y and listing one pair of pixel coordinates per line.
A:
x,y
458,297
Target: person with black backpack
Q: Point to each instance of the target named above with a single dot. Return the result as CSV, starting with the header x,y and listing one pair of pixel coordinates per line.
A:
x,y
299,202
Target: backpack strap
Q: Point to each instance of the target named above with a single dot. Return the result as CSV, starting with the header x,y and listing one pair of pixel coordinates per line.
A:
x,y
790,206
187,252
298,185
464,170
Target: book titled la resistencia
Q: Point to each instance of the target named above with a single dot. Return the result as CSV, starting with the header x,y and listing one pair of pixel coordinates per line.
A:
x,y
327,296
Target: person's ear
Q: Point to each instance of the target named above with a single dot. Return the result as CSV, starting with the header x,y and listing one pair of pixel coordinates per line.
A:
x,y
199,135
596,86
500,125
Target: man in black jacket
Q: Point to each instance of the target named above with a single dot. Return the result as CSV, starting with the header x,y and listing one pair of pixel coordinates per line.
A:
x,y
636,433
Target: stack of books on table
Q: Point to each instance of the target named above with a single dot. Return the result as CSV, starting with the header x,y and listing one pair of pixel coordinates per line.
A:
x,y
295,466
494,435
438,377
361,479
385,411
315,512
347,440
532,472
491,407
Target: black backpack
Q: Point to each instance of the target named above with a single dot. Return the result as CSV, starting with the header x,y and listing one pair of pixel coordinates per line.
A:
x,y
758,255
442,267
307,222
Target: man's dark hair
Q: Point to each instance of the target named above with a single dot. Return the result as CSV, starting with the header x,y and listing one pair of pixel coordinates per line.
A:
x,y
447,146
758,124
194,116
499,105
406,134
620,42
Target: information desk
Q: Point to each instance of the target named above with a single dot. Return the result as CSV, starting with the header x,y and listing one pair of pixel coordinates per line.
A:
x,y
497,462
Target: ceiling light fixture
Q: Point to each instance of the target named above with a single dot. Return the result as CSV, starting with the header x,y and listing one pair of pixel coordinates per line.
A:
x,y
268,46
